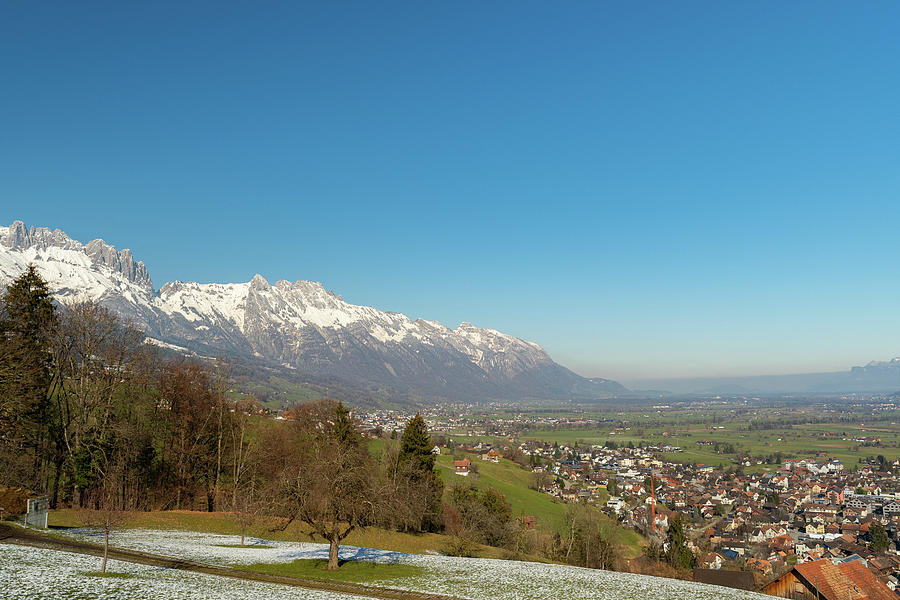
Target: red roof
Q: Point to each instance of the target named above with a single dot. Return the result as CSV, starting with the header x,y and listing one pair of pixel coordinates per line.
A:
x,y
846,580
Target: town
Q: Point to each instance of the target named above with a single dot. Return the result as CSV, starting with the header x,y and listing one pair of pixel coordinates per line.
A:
x,y
751,523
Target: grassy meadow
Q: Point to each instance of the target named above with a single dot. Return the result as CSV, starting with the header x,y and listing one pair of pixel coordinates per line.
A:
x,y
223,523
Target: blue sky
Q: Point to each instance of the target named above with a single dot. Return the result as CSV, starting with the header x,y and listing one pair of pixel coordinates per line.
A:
x,y
653,190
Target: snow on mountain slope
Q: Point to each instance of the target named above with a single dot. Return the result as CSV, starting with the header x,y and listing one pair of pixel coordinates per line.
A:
x,y
300,324
74,271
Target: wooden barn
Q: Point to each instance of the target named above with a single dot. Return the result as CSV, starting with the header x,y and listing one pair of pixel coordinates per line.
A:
x,y
823,580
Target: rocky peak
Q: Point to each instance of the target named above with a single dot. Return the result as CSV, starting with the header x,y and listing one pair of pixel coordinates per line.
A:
x,y
20,237
102,254
259,284
16,236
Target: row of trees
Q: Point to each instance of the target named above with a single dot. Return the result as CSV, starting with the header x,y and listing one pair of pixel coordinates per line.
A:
x,y
85,405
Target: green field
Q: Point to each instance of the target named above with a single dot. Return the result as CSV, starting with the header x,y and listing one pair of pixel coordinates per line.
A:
x,y
277,393
513,482
350,571
788,432
800,441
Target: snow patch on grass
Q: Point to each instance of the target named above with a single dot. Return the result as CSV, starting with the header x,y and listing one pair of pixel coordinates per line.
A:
x,y
37,574
477,578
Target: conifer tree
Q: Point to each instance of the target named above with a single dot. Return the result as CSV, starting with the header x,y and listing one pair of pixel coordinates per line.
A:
x,y
27,318
677,552
344,429
415,446
416,463
27,321
878,539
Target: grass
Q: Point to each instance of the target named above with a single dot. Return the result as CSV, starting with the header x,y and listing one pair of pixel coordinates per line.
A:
x,y
349,572
513,481
223,523
280,393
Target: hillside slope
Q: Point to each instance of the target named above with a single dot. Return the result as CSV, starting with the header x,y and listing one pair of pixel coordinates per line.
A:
x,y
481,579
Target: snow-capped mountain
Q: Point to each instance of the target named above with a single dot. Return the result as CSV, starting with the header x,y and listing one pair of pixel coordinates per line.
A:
x,y
893,364
299,325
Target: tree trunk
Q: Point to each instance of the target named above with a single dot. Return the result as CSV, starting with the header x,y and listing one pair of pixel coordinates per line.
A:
x,y
243,529
218,454
54,495
333,552
105,550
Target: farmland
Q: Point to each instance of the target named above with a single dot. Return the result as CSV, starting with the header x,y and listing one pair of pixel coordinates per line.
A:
x,y
758,429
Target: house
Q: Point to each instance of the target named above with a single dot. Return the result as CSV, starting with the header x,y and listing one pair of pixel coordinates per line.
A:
x,y
784,543
891,508
712,561
662,522
616,503
882,565
823,580
766,533
491,455
462,467
569,494
759,565
436,450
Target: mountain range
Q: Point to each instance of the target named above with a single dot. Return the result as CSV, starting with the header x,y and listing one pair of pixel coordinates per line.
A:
x,y
298,327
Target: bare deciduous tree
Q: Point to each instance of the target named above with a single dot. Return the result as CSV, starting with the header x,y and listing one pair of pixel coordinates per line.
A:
x,y
324,473
105,507
95,353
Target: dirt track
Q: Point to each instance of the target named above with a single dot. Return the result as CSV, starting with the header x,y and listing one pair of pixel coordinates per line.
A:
x,y
25,537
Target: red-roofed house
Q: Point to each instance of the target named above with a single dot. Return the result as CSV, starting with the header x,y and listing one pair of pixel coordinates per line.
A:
x,y
823,580
462,466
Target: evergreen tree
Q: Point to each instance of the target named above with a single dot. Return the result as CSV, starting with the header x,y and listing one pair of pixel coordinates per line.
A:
x,y
416,467
415,446
612,486
878,539
344,428
677,552
27,320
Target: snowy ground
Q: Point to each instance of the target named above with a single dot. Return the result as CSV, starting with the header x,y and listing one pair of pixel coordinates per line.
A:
x,y
480,579
35,574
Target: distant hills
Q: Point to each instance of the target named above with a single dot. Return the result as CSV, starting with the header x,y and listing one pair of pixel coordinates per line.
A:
x,y
299,329
874,377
